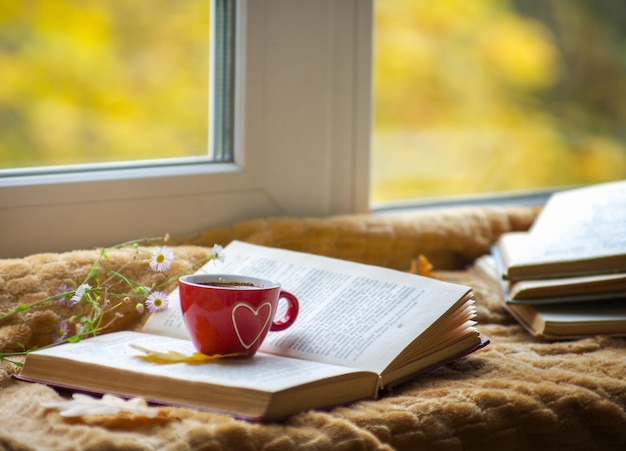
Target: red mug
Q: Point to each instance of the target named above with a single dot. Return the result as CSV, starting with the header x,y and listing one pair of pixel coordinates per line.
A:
x,y
229,314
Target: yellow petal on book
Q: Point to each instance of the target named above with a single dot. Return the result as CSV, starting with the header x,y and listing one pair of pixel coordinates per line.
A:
x,y
177,357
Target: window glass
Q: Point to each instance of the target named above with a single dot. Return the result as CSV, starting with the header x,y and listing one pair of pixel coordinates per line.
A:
x,y
497,95
103,81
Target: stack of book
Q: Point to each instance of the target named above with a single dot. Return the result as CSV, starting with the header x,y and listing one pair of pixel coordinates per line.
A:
x,y
566,276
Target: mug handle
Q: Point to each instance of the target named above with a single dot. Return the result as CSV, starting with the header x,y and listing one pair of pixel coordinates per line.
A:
x,y
290,315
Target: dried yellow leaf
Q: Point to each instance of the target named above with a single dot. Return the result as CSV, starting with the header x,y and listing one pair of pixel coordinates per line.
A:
x,y
177,357
421,266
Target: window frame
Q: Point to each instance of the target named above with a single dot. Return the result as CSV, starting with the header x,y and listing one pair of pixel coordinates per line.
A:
x,y
301,144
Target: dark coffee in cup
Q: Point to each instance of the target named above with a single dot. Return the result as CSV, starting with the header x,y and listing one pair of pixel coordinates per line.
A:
x,y
232,284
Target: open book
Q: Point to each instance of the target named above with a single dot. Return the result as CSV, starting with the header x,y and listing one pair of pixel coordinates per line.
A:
x,y
360,329
557,320
579,232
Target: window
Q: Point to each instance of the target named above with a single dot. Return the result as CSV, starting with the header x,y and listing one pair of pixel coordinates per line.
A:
x,y
496,97
301,140
302,112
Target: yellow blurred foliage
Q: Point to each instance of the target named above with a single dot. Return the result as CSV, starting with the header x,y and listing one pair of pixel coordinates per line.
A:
x,y
522,52
474,97
101,81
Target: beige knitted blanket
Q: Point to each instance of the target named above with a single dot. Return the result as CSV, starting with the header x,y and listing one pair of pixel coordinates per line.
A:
x,y
518,393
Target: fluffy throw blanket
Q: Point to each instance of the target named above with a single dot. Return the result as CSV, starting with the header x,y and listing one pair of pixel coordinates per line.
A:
x,y
518,393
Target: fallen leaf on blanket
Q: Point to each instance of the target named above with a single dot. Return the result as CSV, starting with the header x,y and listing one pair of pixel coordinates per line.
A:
x,y
82,405
177,357
421,266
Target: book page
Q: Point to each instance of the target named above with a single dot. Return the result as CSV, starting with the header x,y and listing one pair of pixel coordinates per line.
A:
x,y
579,224
351,314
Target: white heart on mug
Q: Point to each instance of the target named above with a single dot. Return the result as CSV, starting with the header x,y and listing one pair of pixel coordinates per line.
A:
x,y
247,338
